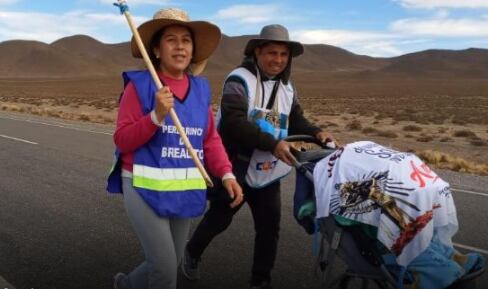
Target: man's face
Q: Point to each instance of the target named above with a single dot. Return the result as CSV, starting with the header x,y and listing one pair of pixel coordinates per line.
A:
x,y
272,58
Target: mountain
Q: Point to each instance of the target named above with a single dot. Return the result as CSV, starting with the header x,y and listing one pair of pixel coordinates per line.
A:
x,y
35,59
67,57
114,56
472,62
317,57
83,56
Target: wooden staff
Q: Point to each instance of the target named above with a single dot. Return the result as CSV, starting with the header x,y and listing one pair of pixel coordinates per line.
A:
x,y
124,9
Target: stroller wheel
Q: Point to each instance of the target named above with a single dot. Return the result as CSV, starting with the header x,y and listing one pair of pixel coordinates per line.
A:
x,y
346,281
344,284
341,282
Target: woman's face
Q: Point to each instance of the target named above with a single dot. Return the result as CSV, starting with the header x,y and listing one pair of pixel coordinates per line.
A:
x,y
175,50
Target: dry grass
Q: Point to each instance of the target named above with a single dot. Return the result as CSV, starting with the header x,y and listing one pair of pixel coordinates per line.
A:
x,y
330,100
328,124
387,133
87,114
369,130
446,161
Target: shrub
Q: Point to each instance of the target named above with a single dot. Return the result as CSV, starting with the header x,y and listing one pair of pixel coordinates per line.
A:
x,y
84,117
422,121
427,138
477,142
412,127
108,119
464,133
354,125
458,121
446,161
53,113
442,130
368,130
437,121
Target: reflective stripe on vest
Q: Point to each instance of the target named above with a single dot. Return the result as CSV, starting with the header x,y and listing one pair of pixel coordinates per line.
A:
x,y
168,179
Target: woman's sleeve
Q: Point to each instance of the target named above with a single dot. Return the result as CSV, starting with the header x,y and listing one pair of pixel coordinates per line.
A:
x,y
134,129
216,158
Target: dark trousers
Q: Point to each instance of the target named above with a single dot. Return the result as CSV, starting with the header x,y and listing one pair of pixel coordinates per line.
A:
x,y
265,204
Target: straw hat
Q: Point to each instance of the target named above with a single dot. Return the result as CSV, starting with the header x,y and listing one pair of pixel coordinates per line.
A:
x,y
206,35
275,33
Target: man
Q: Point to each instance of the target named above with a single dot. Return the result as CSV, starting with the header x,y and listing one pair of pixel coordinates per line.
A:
x,y
259,107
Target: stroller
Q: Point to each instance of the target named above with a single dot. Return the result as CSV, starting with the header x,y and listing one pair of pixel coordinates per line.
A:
x,y
363,254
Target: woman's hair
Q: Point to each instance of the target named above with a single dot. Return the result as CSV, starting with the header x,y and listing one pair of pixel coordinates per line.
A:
x,y
155,42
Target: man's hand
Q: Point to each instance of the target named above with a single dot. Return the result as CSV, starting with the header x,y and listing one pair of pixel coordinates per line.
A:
x,y
164,102
282,152
234,190
327,139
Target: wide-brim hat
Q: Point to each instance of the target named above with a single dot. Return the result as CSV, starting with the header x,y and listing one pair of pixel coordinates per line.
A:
x,y
273,33
206,36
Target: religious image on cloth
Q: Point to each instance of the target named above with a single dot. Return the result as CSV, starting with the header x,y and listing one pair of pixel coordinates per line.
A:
x,y
393,191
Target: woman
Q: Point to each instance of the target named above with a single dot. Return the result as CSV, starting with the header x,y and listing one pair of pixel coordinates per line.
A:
x,y
162,187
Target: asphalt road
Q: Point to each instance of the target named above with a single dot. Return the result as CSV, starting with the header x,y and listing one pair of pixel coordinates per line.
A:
x,y
59,229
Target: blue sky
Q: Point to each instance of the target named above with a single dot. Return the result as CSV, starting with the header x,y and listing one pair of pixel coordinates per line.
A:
x,y
371,27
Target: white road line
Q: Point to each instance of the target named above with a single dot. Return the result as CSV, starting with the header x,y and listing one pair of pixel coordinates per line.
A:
x,y
17,139
485,252
470,192
57,125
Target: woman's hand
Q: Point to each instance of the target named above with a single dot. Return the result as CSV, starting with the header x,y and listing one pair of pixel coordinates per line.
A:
x,y
164,101
234,190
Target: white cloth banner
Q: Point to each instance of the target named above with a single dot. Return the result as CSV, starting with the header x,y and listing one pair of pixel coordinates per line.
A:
x,y
393,191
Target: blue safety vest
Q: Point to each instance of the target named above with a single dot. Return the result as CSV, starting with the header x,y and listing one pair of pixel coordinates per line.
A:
x,y
164,173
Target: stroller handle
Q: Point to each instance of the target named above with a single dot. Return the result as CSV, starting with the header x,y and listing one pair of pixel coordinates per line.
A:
x,y
305,138
305,156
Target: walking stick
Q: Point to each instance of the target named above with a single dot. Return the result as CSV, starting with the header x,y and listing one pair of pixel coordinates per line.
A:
x,y
124,9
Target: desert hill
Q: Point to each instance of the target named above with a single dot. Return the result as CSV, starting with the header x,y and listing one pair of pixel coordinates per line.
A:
x,y
83,56
472,62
